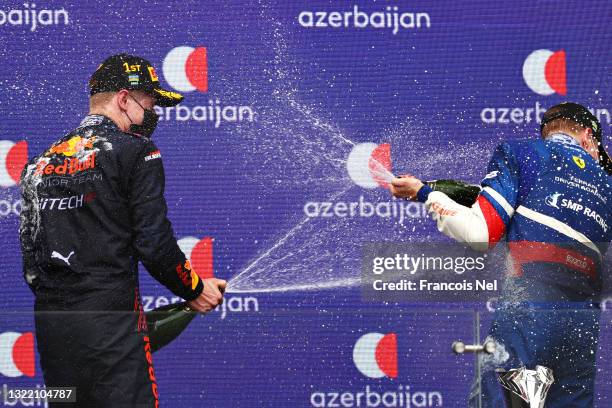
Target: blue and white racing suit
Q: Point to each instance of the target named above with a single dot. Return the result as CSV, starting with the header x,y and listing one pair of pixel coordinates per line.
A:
x,y
552,202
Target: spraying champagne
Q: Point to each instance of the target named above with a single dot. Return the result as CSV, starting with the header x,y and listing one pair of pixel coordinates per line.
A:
x,y
460,192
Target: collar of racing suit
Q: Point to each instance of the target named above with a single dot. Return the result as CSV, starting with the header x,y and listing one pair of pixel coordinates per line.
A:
x,y
96,120
562,138
101,120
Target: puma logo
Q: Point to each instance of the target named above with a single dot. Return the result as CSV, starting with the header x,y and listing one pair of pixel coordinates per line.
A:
x,y
57,255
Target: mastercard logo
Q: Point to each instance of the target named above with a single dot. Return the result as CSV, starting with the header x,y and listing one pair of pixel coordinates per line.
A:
x,y
13,158
367,164
375,355
186,69
17,356
200,255
544,72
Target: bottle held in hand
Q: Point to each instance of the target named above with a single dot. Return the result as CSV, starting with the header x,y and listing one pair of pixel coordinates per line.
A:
x,y
167,322
460,192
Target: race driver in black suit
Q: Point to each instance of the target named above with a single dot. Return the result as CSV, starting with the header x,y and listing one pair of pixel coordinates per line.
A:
x,y
93,207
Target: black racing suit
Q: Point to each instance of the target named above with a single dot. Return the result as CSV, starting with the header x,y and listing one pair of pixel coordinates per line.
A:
x,y
93,206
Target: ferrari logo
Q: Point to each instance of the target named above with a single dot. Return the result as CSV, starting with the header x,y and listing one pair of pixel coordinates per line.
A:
x,y
579,162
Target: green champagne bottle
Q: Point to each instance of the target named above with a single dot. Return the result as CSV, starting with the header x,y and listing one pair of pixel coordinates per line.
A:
x,y
167,322
462,193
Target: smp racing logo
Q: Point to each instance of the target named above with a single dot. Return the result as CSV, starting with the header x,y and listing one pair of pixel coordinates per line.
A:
x,y
186,70
375,355
200,261
557,201
553,200
368,165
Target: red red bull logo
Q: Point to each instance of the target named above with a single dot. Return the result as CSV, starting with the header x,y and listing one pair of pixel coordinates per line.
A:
x,y
72,166
72,146
149,357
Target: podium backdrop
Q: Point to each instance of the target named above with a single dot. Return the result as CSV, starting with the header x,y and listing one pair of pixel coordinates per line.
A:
x,y
268,176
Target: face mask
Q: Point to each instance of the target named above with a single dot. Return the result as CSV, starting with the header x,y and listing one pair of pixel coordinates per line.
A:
x,y
149,122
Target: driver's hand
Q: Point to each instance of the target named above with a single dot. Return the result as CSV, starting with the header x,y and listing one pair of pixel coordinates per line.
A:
x,y
405,187
211,296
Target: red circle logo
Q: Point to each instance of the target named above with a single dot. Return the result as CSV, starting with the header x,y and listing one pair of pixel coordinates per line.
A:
x,y
186,69
13,158
544,72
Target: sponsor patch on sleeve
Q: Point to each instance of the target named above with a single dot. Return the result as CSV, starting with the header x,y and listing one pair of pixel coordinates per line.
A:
x,y
153,155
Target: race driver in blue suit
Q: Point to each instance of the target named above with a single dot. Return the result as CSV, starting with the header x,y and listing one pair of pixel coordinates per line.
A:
x,y
551,200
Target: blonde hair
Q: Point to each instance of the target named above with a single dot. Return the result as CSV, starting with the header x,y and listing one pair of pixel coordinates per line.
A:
x,y
562,125
100,100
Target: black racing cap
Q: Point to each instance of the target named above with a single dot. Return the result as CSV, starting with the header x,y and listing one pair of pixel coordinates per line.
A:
x,y
583,117
123,71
